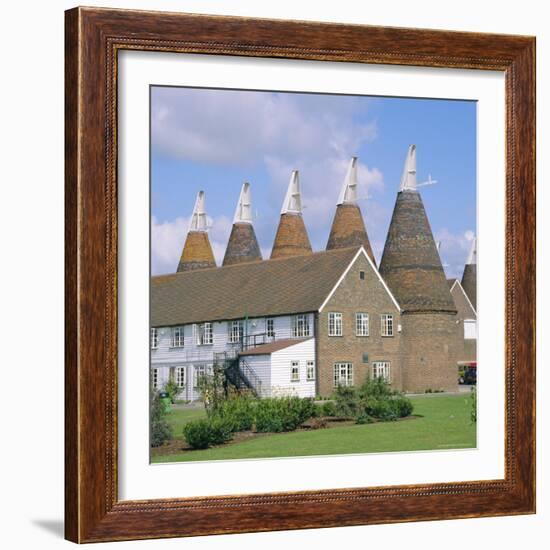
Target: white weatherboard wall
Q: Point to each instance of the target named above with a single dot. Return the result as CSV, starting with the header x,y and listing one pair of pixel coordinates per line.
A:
x,y
261,365
192,352
280,370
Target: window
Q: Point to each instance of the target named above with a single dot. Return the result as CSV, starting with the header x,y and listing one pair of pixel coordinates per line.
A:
x,y
177,337
180,377
300,326
201,371
203,334
387,324
155,378
236,331
154,338
294,371
343,374
310,370
335,324
362,275
361,324
270,327
469,329
381,369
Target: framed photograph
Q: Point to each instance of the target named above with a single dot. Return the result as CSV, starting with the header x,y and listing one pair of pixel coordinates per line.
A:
x,y
300,275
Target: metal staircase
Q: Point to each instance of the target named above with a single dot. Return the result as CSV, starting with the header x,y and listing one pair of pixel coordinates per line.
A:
x,y
237,372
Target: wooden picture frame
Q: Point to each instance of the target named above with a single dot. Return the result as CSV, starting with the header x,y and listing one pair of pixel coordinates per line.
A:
x,y
93,39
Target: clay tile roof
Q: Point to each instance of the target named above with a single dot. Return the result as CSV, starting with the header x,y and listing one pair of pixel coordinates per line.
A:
x,y
469,282
284,286
242,246
291,238
197,252
348,229
271,347
450,283
410,263
463,306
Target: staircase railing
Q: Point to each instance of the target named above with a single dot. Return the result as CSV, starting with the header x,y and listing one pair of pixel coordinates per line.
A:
x,y
238,372
254,340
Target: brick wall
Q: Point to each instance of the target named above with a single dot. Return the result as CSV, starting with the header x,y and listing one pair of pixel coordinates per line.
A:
x,y
432,344
352,296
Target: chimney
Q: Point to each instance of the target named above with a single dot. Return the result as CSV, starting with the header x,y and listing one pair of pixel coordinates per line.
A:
x,y
242,246
197,252
410,263
291,238
469,277
348,227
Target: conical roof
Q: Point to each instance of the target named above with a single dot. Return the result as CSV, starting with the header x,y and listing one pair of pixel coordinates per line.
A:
x,y
291,238
197,252
410,262
243,245
348,228
469,277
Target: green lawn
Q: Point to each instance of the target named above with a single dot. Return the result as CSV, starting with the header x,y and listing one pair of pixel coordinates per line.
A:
x,y
445,424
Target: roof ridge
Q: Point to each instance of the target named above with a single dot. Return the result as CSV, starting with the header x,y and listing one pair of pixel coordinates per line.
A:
x,y
334,251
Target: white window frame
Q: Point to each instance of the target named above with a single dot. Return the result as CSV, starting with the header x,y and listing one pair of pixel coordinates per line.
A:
x,y
154,338
386,325
335,324
178,337
300,326
200,370
361,324
236,331
180,376
294,371
270,331
343,373
155,378
310,370
382,369
202,330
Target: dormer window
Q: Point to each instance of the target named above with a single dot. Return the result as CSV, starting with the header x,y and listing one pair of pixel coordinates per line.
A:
x,y
300,326
177,337
203,334
154,338
236,331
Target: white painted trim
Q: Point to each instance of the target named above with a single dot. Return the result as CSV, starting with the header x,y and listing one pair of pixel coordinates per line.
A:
x,y
342,277
465,295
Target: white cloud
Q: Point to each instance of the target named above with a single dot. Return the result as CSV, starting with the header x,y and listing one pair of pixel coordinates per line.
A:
x,y
454,250
238,127
316,134
168,238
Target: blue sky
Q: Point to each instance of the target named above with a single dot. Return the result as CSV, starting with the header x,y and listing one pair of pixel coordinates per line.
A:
x,y
214,140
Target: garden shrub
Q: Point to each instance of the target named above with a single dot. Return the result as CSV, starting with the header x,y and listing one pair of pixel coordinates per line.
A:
x,y
403,406
346,401
380,401
200,434
160,429
377,388
364,418
329,408
282,414
381,409
172,389
238,412
473,405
